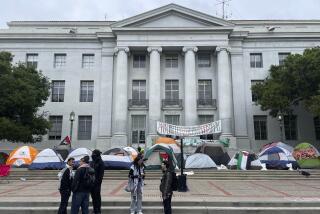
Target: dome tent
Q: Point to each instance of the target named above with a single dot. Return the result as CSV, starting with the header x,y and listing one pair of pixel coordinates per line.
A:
x,y
47,159
307,156
156,153
244,160
215,151
277,157
166,141
199,161
22,156
116,151
116,161
79,153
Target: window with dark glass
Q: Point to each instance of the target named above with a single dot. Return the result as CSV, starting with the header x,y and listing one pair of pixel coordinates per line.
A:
x,y
57,91
171,61
32,60
56,127
86,91
204,89
60,60
260,127
84,127
138,89
254,96
256,60
87,61
282,57
139,61
172,119
290,127
172,89
203,119
138,129
204,60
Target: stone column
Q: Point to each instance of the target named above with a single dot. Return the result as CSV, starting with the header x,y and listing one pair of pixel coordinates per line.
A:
x,y
154,92
225,104
120,98
190,86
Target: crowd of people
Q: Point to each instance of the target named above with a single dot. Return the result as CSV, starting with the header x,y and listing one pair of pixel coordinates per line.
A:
x,y
88,177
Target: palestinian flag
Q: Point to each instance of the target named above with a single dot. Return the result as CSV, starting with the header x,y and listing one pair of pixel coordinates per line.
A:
x,y
242,160
66,141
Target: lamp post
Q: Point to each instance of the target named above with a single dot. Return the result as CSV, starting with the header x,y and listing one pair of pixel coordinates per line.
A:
x,y
280,119
71,118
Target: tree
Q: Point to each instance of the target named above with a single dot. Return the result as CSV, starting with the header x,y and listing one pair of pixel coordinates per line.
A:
x,y
23,90
295,82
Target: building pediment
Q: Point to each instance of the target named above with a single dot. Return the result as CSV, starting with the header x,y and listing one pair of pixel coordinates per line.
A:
x,y
172,16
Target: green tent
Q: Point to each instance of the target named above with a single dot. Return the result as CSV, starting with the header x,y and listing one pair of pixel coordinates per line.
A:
x,y
307,156
3,157
155,155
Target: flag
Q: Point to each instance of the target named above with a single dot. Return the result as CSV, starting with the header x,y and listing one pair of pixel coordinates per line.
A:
x,y
242,160
66,141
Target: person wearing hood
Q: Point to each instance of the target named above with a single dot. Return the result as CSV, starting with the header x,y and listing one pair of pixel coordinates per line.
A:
x,y
98,166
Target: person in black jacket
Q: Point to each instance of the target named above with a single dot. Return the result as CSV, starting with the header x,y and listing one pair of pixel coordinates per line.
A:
x,y
80,189
166,186
98,166
66,178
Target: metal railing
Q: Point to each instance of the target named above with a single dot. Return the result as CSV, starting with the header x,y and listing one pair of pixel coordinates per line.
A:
x,y
207,103
171,103
138,103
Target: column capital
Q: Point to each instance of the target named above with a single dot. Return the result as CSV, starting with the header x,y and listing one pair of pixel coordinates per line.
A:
x,y
190,48
219,49
117,49
150,49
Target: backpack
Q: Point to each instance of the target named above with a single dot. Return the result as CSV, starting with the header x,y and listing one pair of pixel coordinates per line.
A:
x,y
89,178
174,185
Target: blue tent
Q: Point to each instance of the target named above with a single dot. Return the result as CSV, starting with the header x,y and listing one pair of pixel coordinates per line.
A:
x,y
47,159
277,157
116,161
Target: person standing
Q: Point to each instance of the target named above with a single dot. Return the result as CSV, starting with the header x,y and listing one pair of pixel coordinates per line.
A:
x,y
98,166
166,186
81,187
66,178
136,173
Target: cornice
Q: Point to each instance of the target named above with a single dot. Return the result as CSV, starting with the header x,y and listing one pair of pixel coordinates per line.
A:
x,y
283,35
195,29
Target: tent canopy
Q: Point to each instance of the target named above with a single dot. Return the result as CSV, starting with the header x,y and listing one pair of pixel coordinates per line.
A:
x,y
117,151
156,153
22,156
199,161
47,159
116,162
166,141
277,158
79,153
216,152
307,156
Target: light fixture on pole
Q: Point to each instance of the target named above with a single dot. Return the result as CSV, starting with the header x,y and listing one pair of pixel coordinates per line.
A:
x,y
280,119
71,118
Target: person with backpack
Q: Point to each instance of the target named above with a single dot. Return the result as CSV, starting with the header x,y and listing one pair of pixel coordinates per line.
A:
x,y
65,178
136,173
167,186
98,166
83,182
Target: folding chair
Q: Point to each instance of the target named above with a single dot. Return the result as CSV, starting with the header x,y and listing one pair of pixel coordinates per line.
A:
x,y
4,172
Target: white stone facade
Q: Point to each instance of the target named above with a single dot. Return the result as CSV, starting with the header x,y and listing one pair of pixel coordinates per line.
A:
x,y
170,31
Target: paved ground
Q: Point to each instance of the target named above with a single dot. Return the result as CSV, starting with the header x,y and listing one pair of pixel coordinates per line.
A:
x,y
200,190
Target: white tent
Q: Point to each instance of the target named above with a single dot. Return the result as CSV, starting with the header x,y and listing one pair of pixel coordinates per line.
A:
x,y
199,161
79,153
116,161
47,159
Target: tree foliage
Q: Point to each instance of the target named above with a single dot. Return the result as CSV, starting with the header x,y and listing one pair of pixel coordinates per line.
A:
x,y
23,90
295,82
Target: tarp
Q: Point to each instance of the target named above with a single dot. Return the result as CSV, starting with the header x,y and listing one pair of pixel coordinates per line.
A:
x,y
22,156
3,157
245,161
215,151
277,158
307,156
116,162
155,155
199,161
47,159
79,153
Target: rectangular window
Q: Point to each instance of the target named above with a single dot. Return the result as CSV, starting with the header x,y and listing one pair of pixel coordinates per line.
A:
x,y
204,90
254,97
290,127
172,89
260,127
282,57
138,89
60,60
138,129
204,60
86,91
32,60
203,119
172,61
56,127
139,61
316,121
172,119
84,127
57,91
256,60
87,61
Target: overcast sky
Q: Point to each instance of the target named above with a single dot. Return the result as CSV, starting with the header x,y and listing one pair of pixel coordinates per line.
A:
x,y
91,10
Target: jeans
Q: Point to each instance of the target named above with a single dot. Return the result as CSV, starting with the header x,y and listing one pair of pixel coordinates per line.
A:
x,y
136,202
167,205
80,199
65,194
96,199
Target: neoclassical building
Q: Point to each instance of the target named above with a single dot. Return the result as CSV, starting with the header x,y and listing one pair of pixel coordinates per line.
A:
x,y
170,64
